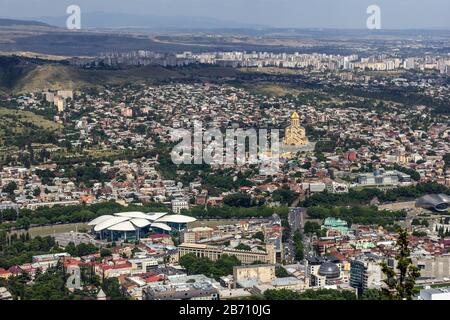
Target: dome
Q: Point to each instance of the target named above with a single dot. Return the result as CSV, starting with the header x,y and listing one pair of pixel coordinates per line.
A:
x,y
329,270
295,116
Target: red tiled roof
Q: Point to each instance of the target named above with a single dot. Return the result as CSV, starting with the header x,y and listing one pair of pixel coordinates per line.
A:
x,y
153,278
3,271
116,266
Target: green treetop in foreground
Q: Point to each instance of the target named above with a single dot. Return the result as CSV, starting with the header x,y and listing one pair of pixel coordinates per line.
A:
x,y
400,285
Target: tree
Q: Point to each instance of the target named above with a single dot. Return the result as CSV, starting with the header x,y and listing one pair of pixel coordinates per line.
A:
x,y
36,192
372,294
400,285
111,287
280,272
283,195
310,294
222,267
447,159
311,227
225,264
10,188
298,246
259,235
242,246
238,200
105,253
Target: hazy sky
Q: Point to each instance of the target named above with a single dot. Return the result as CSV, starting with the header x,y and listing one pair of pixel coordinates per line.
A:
x,y
278,13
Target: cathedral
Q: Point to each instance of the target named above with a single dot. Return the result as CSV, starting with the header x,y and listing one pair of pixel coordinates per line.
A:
x,y
295,134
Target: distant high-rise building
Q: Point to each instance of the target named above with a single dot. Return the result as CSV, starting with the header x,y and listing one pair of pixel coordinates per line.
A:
x,y
365,273
60,104
409,63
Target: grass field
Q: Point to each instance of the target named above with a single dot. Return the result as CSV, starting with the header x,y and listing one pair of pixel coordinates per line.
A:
x,y
50,230
15,122
273,89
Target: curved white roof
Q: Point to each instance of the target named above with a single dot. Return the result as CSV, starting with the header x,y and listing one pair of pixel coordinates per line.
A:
x,y
131,221
161,226
177,218
140,223
100,219
123,226
109,223
156,215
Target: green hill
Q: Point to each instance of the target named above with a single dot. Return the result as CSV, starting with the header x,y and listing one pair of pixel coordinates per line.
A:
x,y
21,74
17,127
12,69
13,22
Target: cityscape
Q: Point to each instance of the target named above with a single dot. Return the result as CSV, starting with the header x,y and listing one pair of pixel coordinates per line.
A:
x,y
245,163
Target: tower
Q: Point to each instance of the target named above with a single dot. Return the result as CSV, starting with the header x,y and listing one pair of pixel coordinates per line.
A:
x,y
295,135
295,120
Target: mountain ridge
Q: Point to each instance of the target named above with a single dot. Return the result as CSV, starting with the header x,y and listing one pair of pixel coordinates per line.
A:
x,y
106,20
5,22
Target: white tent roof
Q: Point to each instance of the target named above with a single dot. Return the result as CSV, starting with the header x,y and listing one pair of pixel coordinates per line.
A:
x,y
140,223
161,226
131,221
155,215
109,223
99,220
123,226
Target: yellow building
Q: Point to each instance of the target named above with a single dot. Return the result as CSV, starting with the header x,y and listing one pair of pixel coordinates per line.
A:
x,y
295,134
264,273
60,104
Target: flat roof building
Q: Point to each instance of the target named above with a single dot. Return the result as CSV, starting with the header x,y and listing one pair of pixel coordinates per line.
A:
x,y
435,294
213,253
202,290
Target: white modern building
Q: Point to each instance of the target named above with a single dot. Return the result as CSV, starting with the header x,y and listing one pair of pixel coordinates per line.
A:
x,y
134,225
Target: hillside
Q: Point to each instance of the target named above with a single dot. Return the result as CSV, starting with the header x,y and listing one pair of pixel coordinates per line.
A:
x,y
19,74
13,22
17,127
12,69
56,76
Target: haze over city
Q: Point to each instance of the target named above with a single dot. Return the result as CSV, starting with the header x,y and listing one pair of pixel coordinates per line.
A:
x,y
396,14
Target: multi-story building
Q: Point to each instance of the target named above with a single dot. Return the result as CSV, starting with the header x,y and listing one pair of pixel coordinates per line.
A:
x,y
213,253
263,273
196,234
199,290
365,272
436,267
321,272
179,204
381,177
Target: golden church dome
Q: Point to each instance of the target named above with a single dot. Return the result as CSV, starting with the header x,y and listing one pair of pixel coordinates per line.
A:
x,y
295,116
